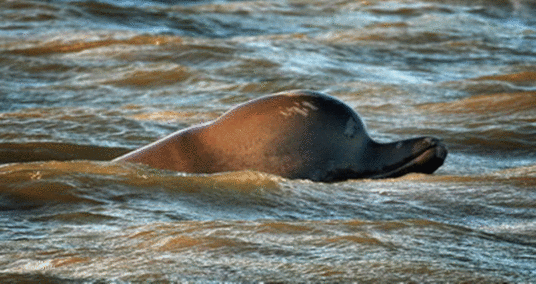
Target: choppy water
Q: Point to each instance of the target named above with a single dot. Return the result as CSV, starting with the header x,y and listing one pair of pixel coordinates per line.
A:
x,y
82,82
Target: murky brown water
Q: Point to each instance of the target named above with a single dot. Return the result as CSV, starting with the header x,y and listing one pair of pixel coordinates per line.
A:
x,y
82,82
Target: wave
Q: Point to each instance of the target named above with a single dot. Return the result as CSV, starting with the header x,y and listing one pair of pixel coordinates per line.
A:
x,y
28,185
521,78
152,78
241,251
520,177
79,218
79,42
504,103
38,278
47,151
499,123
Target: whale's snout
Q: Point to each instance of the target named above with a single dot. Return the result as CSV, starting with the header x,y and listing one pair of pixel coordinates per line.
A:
x,y
429,154
418,155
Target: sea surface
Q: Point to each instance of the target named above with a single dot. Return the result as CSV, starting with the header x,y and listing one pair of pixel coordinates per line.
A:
x,y
82,82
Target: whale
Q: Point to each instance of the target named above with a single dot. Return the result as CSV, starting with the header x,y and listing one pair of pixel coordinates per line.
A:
x,y
297,134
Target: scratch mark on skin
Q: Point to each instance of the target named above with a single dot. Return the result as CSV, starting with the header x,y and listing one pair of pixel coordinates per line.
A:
x,y
302,109
309,105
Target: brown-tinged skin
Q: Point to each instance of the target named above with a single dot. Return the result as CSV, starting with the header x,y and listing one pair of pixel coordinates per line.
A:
x,y
297,135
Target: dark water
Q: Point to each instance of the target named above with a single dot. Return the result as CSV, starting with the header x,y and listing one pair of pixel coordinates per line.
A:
x,y
82,82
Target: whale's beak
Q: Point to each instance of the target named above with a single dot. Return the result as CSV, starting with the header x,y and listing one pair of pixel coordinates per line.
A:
x,y
419,155
429,155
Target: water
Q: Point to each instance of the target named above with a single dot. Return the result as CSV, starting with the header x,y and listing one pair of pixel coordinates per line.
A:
x,y
82,82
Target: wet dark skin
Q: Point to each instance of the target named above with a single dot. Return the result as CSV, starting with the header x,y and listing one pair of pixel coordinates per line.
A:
x,y
296,135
